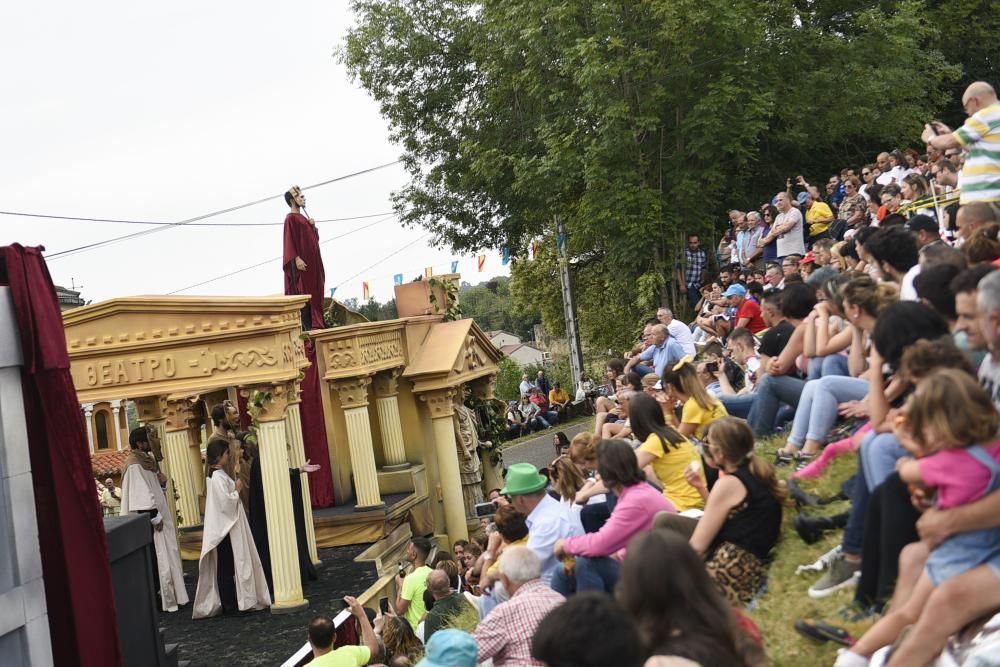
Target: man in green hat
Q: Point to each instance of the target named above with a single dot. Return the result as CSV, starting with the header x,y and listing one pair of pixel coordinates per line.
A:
x,y
548,520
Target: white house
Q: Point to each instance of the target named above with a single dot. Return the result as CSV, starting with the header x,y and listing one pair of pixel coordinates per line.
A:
x,y
502,338
525,354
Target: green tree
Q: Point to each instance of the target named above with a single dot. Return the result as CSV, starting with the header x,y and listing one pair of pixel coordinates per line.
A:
x,y
634,122
493,307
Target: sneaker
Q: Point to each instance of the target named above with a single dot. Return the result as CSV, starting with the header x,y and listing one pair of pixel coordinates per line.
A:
x,y
781,459
802,460
842,574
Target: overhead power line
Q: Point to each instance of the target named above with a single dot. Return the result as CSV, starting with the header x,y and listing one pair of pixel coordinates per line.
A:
x,y
69,218
171,225
276,259
391,254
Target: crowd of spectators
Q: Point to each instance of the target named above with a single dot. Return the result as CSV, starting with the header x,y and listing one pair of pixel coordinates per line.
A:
x,y
859,318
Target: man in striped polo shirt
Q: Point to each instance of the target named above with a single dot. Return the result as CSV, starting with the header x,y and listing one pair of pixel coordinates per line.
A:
x,y
979,180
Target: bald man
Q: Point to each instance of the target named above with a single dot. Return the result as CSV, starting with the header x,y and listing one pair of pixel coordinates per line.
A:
x,y
980,177
973,216
448,604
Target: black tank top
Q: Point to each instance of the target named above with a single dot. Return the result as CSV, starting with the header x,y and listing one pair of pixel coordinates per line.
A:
x,y
755,523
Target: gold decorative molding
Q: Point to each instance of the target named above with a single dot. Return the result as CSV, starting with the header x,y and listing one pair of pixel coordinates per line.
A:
x,y
440,402
360,349
182,345
387,383
353,392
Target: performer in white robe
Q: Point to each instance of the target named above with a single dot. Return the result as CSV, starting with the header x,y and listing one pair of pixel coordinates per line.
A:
x,y
228,555
141,492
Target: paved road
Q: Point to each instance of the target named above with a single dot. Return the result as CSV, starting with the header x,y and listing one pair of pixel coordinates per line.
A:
x,y
540,451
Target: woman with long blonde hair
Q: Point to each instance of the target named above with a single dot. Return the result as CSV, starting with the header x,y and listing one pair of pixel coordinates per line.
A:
x,y
700,408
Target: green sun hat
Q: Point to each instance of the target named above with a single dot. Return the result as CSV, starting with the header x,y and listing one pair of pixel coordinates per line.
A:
x,y
522,479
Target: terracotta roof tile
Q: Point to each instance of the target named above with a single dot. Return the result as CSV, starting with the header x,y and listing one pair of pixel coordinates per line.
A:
x,y
108,463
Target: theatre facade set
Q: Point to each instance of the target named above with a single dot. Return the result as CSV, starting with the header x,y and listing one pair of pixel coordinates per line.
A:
x,y
399,441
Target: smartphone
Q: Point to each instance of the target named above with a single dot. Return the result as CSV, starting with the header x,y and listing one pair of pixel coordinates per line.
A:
x,y
485,509
383,605
712,367
402,569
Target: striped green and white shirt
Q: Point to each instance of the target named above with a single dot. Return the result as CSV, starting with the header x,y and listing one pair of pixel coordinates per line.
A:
x,y
980,136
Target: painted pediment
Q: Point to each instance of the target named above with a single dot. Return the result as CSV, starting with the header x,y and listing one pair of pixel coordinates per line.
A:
x,y
451,354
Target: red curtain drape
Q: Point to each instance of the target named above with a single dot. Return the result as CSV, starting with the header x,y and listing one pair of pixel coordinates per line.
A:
x,y
78,592
314,433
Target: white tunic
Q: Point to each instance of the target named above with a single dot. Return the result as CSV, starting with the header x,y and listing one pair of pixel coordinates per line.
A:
x,y
141,491
224,516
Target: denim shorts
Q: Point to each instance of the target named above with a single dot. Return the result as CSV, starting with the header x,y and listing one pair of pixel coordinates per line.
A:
x,y
963,552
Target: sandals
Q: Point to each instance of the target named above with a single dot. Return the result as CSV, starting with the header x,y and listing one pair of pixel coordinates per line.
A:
x,y
823,632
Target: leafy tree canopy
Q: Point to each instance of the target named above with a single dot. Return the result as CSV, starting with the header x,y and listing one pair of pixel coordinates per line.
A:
x,y
637,122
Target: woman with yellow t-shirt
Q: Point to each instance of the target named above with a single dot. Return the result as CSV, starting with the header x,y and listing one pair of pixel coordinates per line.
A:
x,y
700,408
667,451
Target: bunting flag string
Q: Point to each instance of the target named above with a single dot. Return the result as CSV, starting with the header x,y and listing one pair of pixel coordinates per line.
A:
x,y
397,279
482,262
364,290
333,290
454,266
429,272
506,257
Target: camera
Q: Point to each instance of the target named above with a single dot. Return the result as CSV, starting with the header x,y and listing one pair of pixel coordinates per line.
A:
x,y
712,367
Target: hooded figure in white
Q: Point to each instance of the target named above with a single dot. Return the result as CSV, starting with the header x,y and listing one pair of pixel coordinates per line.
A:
x,y
229,571
141,493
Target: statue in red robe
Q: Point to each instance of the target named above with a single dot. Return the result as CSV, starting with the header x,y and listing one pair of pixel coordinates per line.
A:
x,y
302,261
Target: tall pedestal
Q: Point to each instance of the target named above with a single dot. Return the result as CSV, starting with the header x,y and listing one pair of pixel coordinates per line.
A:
x,y
442,411
273,453
353,394
386,386
297,458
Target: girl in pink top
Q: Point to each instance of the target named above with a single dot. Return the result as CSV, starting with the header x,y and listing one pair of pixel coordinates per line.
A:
x,y
944,419
598,557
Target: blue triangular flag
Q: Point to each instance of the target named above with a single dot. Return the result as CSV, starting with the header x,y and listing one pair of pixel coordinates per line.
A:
x,y
562,242
333,290
397,279
454,266
506,256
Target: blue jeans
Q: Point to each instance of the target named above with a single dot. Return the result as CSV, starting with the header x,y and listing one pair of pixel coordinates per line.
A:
x,y
817,409
693,295
876,461
772,391
590,574
737,405
832,364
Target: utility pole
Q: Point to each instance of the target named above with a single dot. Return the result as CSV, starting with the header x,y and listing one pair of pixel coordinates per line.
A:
x,y
569,305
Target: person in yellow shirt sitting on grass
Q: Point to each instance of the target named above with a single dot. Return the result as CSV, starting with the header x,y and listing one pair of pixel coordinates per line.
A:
x,y
668,453
559,401
700,408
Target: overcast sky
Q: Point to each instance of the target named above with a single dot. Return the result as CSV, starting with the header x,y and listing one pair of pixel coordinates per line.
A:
x,y
166,111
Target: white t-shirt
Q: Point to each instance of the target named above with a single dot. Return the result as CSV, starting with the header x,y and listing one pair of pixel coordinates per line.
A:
x,y
791,242
682,335
989,377
907,292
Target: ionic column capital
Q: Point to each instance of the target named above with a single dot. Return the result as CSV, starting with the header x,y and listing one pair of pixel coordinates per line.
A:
x,y
440,402
386,383
353,392
151,408
179,414
273,400
482,388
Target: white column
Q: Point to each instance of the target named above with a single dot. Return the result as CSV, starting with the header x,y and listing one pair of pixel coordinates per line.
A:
x,y
115,407
442,409
354,401
296,458
387,404
273,453
88,415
